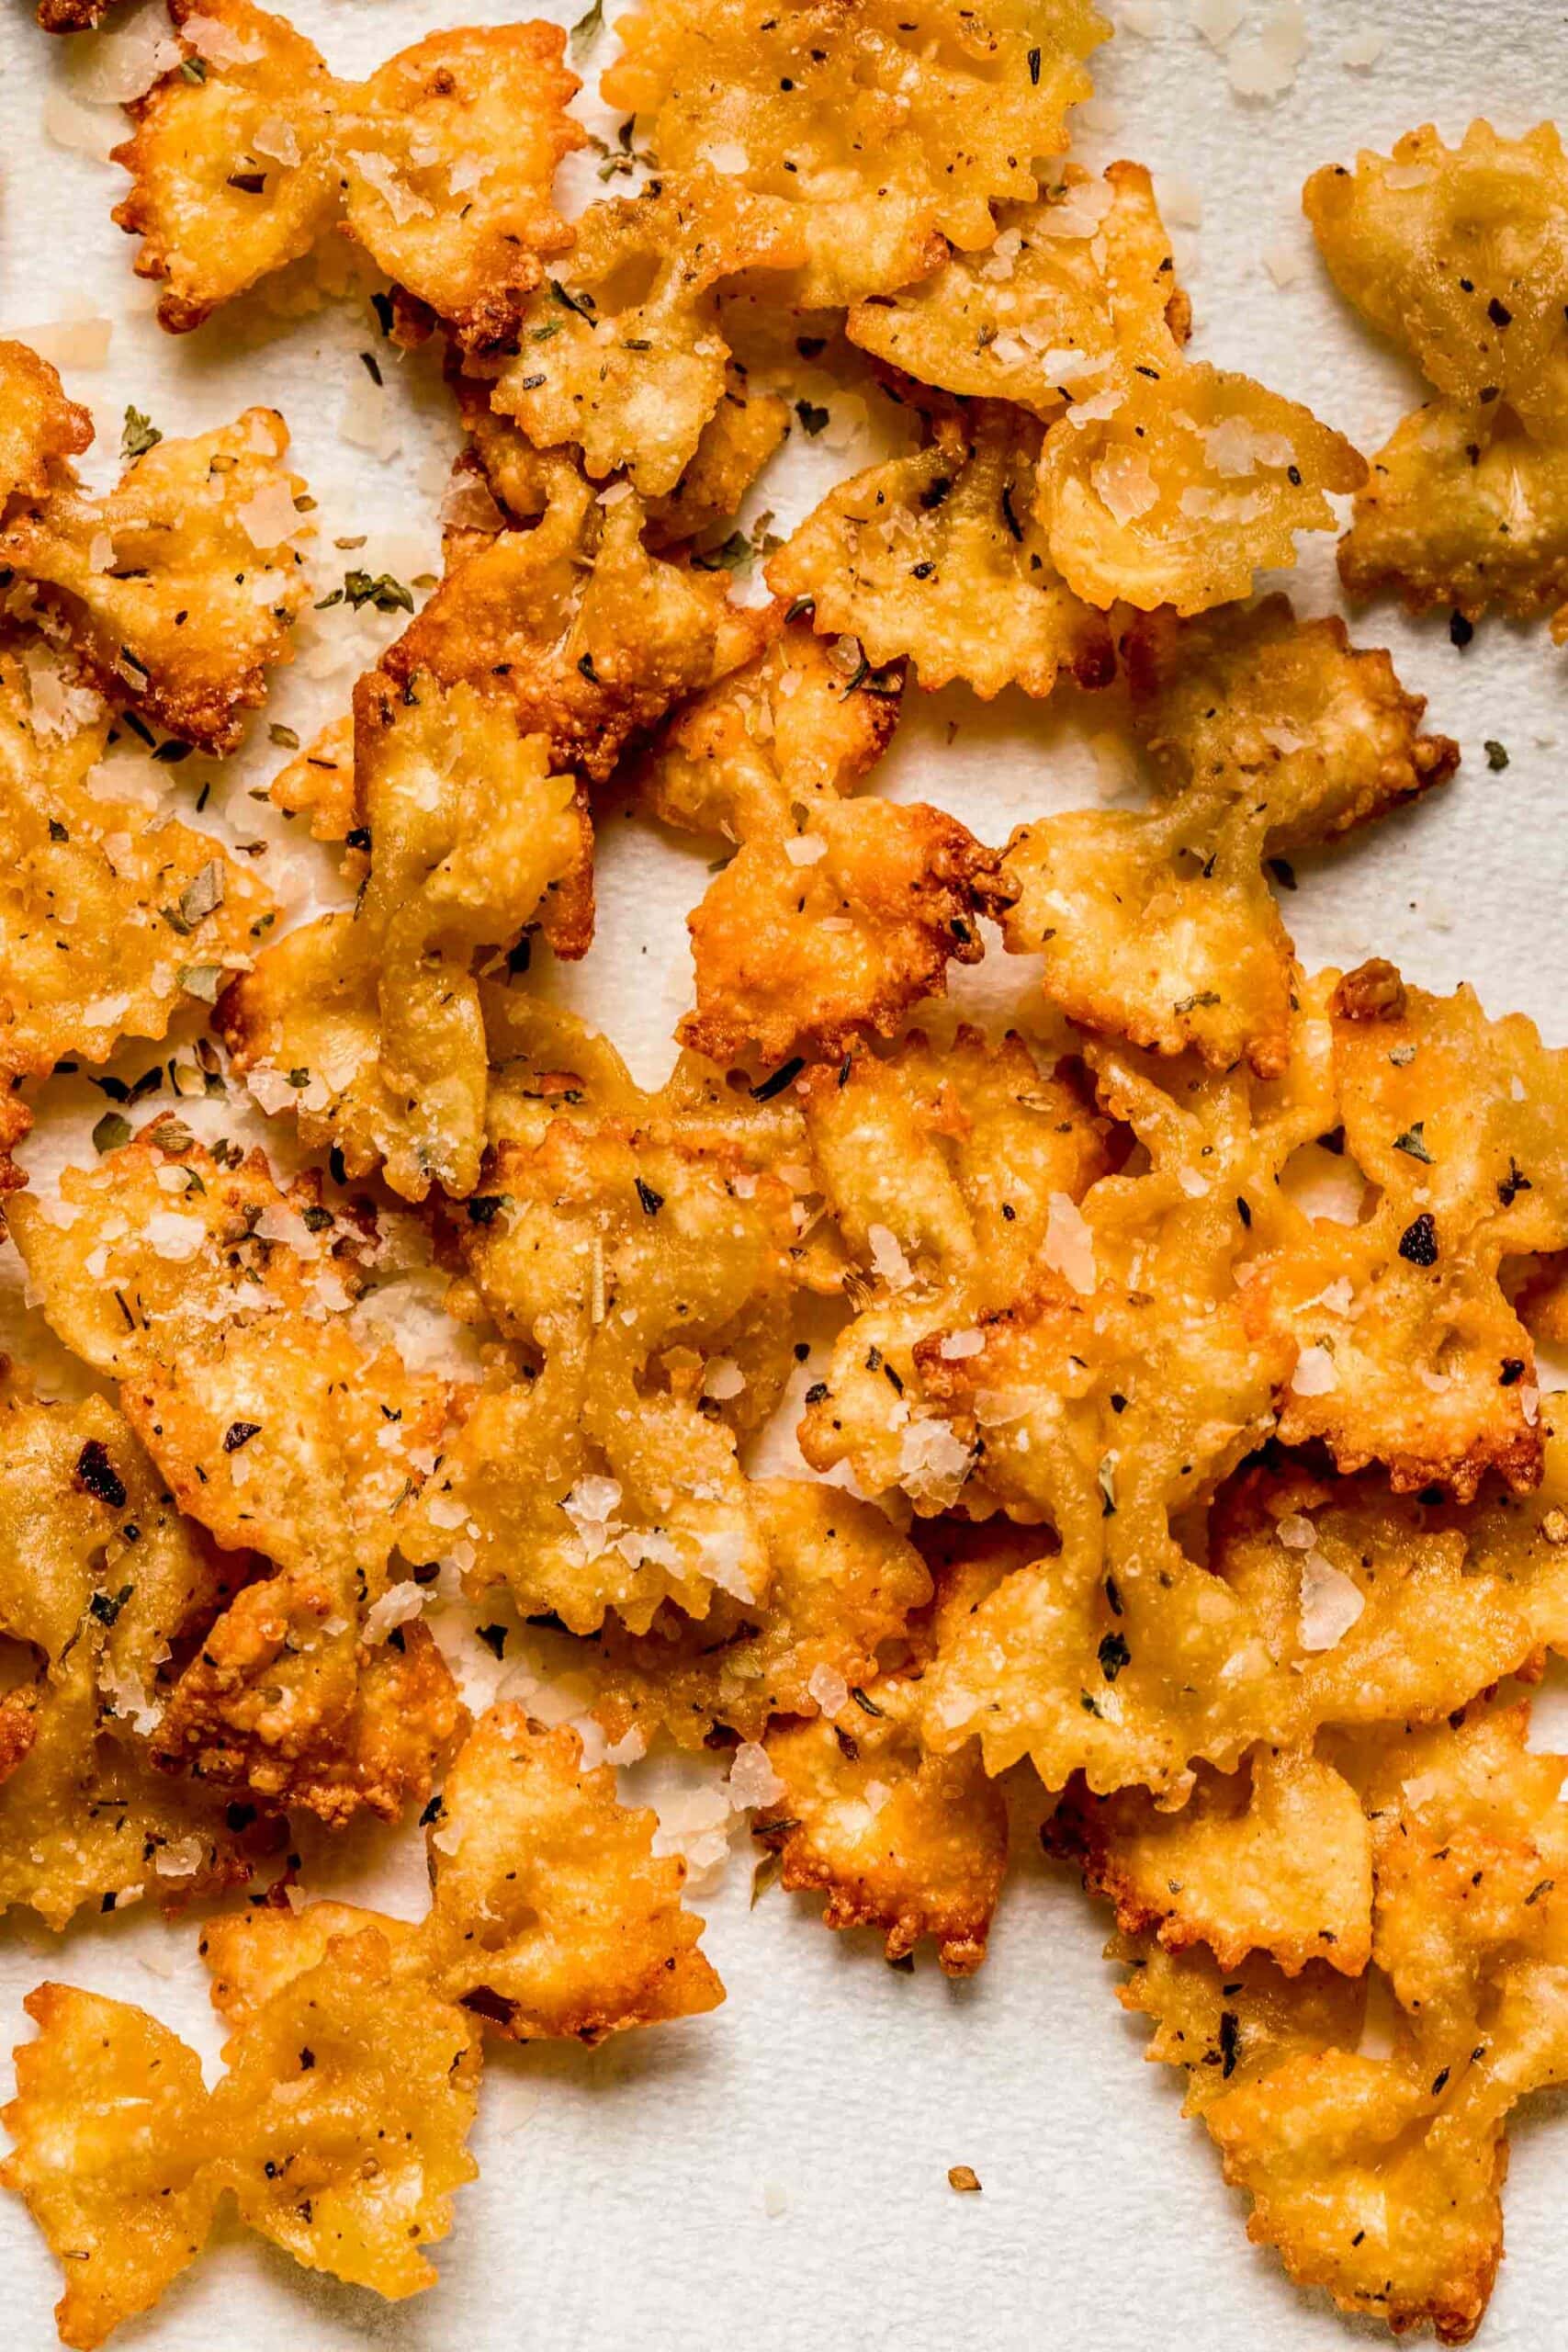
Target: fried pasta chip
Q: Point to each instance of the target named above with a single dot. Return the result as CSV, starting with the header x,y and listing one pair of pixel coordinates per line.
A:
x,y
109,912
549,1913
841,1582
1076,290
638,1261
40,428
938,556
550,1916
100,1577
1268,734
319,782
179,589
732,448
1460,254
624,355
369,1025
890,131
834,917
1099,1375
1321,730
1410,1351
112,2125
1463,510
1182,486
1277,1859
338,2127
897,1837
440,164
224,1308
592,636
1379,2178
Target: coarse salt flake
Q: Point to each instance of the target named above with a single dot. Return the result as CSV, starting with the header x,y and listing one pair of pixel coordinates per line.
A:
x,y
1331,1602
1314,1373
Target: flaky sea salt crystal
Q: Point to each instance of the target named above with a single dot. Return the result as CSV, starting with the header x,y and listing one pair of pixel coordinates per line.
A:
x,y
1331,1602
1314,1373
1069,1244
752,1780
828,1689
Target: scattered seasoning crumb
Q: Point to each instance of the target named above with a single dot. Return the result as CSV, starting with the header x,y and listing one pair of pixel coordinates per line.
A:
x,y
1496,754
964,2178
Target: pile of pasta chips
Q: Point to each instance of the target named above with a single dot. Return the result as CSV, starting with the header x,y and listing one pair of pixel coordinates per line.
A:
x,y
1114,1393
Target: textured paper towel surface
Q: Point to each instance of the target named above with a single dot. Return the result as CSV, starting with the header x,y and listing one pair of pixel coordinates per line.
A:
x,y
776,2176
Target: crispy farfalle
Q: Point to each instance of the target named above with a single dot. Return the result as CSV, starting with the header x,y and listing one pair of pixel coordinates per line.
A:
x,y
1460,254
1077,288
179,589
338,2127
638,1261
625,355
550,1912
1463,510
1268,734
40,428
939,556
550,1916
833,917
100,1577
1379,2177
841,1581
440,164
1409,1349
896,1836
891,131
732,448
110,913
369,1025
592,636
1185,484
280,1431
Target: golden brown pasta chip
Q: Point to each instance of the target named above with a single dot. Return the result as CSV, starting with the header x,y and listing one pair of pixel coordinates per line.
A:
x,y
1460,254
1409,1349
624,355
341,2121
1186,483
889,130
1321,730
113,2129
549,1913
732,448
1379,2177
898,1838
179,589
440,164
280,1431
339,2127
1270,734
841,1582
833,918
1077,288
635,1261
41,429
99,1576
818,939
1463,509
369,1025
593,636
1276,1858
939,556
109,912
